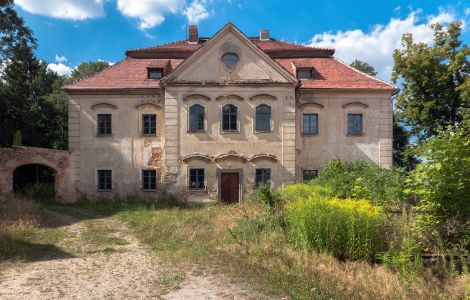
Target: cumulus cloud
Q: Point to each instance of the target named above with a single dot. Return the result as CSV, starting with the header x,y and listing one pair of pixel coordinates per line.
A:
x,y
376,46
64,9
60,69
150,13
60,59
196,12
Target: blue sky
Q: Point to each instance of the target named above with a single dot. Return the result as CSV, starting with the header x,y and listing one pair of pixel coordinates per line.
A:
x,y
73,31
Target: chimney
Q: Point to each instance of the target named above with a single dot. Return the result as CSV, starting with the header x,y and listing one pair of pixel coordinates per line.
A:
x,y
193,36
264,35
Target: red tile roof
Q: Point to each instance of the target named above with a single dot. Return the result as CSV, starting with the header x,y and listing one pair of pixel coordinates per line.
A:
x,y
328,72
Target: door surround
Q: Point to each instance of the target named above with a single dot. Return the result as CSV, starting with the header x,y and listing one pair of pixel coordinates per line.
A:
x,y
240,183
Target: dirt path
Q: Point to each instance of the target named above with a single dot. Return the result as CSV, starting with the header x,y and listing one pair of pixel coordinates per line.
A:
x,y
107,262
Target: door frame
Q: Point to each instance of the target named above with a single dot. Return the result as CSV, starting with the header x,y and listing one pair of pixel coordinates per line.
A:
x,y
240,183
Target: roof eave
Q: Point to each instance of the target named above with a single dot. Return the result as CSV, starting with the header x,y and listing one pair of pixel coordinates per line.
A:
x,y
112,91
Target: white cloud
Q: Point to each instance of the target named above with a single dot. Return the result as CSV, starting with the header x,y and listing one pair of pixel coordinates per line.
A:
x,y
60,59
376,46
196,12
60,69
64,9
150,13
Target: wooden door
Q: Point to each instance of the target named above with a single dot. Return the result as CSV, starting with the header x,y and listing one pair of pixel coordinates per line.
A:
x,y
229,187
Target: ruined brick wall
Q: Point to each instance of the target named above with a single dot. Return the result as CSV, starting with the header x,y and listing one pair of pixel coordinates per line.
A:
x,y
58,160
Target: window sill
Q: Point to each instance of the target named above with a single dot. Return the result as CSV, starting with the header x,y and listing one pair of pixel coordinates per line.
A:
x,y
308,135
262,131
196,131
105,191
230,132
354,134
148,191
149,135
104,135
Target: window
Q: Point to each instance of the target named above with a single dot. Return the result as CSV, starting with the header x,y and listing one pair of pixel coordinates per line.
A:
x,y
310,124
196,179
149,180
104,180
355,124
263,118
104,124
155,73
309,175
305,73
230,61
149,124
196,118
262,176
229,118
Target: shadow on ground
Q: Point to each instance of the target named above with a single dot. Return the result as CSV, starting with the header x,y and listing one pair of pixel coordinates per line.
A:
x,y
13,250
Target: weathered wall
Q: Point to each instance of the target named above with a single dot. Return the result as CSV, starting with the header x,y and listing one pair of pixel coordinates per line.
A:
x,y
59,161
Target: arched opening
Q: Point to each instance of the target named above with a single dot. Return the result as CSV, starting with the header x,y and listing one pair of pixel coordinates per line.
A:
x,y
35,181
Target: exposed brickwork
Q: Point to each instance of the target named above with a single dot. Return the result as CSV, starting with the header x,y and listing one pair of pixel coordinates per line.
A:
x,y
12,158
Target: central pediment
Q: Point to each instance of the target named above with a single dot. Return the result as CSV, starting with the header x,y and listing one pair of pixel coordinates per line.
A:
x,y
229,58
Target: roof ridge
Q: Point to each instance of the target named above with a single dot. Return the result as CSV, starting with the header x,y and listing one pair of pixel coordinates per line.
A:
x,y
158,45
302,45
365,74
110,66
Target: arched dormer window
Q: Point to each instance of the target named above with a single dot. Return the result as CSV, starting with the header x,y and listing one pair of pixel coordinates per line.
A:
x,y
196,118
263,118
229,118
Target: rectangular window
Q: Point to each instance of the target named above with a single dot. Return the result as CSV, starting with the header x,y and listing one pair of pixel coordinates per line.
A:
x,y
355,124
196,179
262,176
149,180
310,124
304,73
309,175
104,180
104,124
149,126
155,73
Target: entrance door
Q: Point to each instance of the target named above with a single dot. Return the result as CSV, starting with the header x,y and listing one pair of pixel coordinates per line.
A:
x,y
229,187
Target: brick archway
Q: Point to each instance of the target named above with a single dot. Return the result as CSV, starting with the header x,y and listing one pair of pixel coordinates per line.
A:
x,y
58,160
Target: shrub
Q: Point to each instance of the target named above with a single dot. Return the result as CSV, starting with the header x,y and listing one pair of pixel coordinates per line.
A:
x,y
293,192
349,229
42,192
363,180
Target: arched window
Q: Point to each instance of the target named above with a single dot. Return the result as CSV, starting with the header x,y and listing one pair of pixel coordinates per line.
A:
x,y
263,118
196,118
229,117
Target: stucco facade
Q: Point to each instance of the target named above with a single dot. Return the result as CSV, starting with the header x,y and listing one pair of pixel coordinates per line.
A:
x,y
199,76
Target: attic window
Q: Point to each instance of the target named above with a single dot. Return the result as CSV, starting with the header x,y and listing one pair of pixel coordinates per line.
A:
x,y
305,73
155,73
230,61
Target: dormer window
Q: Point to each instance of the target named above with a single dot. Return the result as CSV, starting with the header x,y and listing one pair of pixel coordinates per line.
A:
x,y
305,73
155,73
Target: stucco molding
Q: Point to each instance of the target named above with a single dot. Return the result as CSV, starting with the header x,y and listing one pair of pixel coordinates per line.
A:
x,y
263,156
103,105
152,105
196,97
229,96
263,97
355,104
314,104
229,155
196,155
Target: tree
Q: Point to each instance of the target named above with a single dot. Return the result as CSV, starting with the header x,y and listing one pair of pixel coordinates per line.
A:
x,y
435,81
13,31
86,69
402,157
363,67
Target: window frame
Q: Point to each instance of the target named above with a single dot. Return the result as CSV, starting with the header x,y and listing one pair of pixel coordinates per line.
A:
x,y
267,182
203,118
197,175
230,68
144,127
351,133
303,124
99,177
150,70
149,181
299,70
256,129
106,124
309,170
237,129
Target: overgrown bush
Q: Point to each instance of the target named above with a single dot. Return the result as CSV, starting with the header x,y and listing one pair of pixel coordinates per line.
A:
x,y
349,229
363,180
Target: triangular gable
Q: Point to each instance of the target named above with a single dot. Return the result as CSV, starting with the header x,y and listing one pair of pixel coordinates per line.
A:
x,y
205,65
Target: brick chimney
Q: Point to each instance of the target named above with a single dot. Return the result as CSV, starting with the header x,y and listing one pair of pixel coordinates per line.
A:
x,y
193,36
264,35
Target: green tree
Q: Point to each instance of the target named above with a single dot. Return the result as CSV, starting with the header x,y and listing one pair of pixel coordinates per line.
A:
x,y
86,69
363,67
435,81
402,156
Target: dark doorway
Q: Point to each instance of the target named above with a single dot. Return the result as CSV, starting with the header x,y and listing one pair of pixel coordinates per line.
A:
x,y
35,181
230,187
